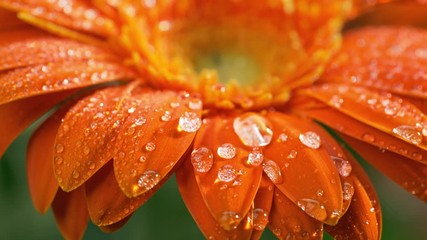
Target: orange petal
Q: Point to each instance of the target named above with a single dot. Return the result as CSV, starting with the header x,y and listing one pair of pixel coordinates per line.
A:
x,y
385,112
409,174
115,226
159,130
365,133
71,213
108,206
44,50
194,201
9,21
86,138
41,179
76,14
385,58
288,221
53,77
17,115
262,207
304,169
228,183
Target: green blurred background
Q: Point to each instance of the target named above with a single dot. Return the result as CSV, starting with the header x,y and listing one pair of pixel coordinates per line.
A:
x,y
164,216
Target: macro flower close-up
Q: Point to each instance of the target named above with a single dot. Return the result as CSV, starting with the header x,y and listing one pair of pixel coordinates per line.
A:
x,y
261,110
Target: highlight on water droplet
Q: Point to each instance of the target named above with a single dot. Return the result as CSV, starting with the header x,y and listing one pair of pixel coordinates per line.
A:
x,y
310,139
148,180
150,146
166,116
189,122
227,173
273,171
202,159
227,151
229,220
195,104
282,138
255,158
409,133
313,208
253,130
260,219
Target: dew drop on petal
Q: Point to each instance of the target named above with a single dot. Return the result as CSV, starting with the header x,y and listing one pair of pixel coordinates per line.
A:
x,y
148,180
336,101
189,122
282,137
59,160
347,191
310,139
59,148
195,104
131,110
142,158
140,121
227,151
86,150
292,154
368,137
273,171
166,116
255,158
174,104
91,165
202,159
313,208
227,173
343,166
229,220
253,130
409,133
150,146
260,219
75,174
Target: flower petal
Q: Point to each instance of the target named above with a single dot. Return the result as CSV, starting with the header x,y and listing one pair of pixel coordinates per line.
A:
x,y
385,58
17,115
58,76
9,21
71,213
365,133
41,179
86,138
262,207
229,186
305,167
115,226
108,207
288,221
195,203
76,14
385,112
410,175
159,130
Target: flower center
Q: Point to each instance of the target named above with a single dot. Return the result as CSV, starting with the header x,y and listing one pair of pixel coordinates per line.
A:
x,y
247,54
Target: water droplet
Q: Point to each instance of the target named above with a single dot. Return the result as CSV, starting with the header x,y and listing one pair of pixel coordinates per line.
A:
x,y
131,110
202,159
227,151
347,191
121,155
282,137
140,121
59,148
255,158
86,150
336,101
273,171
166,116
150,146
131,130
148,180
260,219
195,104
227,173
343,166
174,104
142,158
65,127
310,139
319,192
59,160
229,220
417,156
189,122
75,174
91,165
292,154
313,208
253,130
368,137
409,133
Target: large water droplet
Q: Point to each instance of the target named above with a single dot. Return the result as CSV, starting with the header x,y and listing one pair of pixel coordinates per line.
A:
x,y
253,130
227,173
202,159
343,166
273,171
189,122
229,220
310,139
255,158
409,133
313,208
347,191
227,151
148,180
260,219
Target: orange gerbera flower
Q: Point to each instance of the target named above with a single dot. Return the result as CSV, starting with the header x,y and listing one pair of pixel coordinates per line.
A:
x,y
232,96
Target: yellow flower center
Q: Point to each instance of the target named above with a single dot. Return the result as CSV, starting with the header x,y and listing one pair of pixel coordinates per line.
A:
x,y
244,54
